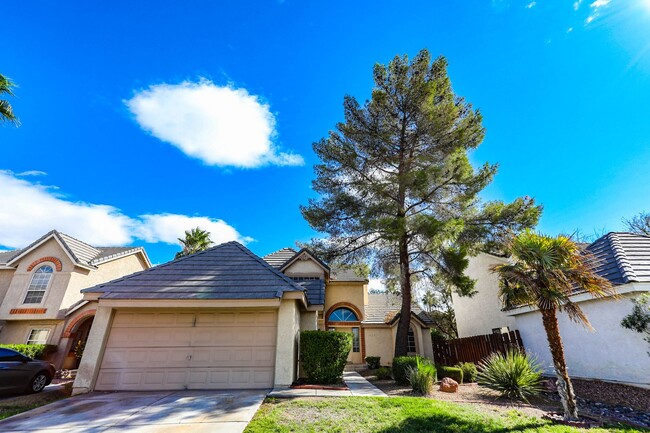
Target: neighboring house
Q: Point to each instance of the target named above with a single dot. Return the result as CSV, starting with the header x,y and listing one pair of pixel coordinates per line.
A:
x,y
40,290
226,318
609,352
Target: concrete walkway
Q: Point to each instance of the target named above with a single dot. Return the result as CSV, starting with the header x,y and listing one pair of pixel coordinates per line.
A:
x,y
358,385
142,412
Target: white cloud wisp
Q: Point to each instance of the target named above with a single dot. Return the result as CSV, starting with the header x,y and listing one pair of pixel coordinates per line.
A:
x,y
220,125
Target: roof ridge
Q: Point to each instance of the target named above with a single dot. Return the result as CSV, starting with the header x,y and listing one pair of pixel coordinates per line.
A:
x,y
620,256
276,272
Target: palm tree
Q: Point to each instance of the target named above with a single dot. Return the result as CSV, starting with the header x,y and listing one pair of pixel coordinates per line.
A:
x,y
544,272
195,240
6,111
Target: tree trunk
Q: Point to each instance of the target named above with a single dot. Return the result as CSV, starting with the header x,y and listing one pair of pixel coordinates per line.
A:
x,y
401,340
564,386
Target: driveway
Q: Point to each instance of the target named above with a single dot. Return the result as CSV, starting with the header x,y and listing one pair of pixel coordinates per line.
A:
x,y
143,412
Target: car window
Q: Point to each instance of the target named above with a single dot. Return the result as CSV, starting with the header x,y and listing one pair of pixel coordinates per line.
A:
x,y
9,355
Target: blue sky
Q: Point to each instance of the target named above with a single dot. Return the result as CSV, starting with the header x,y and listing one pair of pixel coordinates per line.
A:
x,y
147,117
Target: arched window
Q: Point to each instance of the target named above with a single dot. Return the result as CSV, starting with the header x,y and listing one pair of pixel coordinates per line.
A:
x,y
38,285
343,315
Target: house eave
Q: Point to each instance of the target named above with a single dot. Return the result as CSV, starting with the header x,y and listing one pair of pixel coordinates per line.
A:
x,y
583,297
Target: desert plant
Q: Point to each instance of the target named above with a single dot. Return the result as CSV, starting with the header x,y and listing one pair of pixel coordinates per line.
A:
x,y
196,240
450,372
515,374
469,371
544,272
639,319
6,111
401,365
421,376
373,362
383,373
35,351
324,354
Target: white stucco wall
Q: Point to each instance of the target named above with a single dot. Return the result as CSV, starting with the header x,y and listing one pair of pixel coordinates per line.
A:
x,y
608,353
481,313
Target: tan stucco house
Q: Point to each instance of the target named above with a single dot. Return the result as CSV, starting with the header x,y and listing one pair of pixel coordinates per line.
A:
x,y
226,318
40,290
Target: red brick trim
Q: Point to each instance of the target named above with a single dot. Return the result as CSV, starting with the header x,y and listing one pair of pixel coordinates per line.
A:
x,y
362,332
57,263
27,311
69,330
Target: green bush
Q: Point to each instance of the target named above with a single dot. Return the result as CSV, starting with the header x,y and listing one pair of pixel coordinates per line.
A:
x,y
323,355
373,362
469,371
451,372
515,375
401,365
383,373
35,351
421,377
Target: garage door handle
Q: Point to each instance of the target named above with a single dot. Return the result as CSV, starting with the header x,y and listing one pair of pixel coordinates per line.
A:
x,y
189,357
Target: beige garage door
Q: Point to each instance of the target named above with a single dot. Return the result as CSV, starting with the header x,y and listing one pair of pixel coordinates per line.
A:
x,y
164,350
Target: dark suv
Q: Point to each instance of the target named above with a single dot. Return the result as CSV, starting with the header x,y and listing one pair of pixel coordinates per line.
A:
x,y
20,373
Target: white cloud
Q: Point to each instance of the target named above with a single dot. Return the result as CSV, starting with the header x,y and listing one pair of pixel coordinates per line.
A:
x,y
531,5
569,30
595,9
220,125
32,173
576,5
30,210
169,227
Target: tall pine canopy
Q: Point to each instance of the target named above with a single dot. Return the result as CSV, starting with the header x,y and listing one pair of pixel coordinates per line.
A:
x,y
397,188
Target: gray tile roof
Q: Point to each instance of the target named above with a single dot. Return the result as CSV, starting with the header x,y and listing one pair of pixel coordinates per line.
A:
x,y
226,271
280,257
622,257
315,289
384,308
81,252
347,275
6,256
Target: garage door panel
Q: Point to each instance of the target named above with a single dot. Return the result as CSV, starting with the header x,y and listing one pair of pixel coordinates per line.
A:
x,y
167,379
197,350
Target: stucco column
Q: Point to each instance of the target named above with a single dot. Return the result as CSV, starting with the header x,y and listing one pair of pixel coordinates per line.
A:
x,y
93,352
309,321
286,350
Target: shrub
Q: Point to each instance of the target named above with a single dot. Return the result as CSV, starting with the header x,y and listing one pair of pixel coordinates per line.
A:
x,y
35,351
373,362
324,354
513,375
421,377
451,372
383,373
402,363
469,371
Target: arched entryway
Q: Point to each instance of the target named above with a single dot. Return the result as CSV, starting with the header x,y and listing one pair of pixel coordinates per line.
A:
x,y
76,333
345,317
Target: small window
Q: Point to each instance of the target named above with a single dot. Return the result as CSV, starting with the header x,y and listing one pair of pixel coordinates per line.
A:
x,y
38,285
38,336
356,341
411,341
343,315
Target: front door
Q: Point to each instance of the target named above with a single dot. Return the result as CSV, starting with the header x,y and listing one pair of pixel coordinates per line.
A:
x,y
354,357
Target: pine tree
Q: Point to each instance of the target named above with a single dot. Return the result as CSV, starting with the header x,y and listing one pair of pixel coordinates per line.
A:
x,y
397,188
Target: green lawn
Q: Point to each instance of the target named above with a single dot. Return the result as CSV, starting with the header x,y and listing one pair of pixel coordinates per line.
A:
x,y
393,415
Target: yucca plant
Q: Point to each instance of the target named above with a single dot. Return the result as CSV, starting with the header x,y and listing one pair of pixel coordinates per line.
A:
x,y
515,375
421,377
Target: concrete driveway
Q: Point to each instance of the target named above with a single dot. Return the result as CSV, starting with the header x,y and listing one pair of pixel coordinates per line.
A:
x,y
161,412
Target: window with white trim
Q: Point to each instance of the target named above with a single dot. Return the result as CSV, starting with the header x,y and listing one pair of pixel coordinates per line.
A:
x,y
356,340
38,336
38,285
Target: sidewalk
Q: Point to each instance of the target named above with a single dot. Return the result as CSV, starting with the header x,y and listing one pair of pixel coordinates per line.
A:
x,y
358,385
